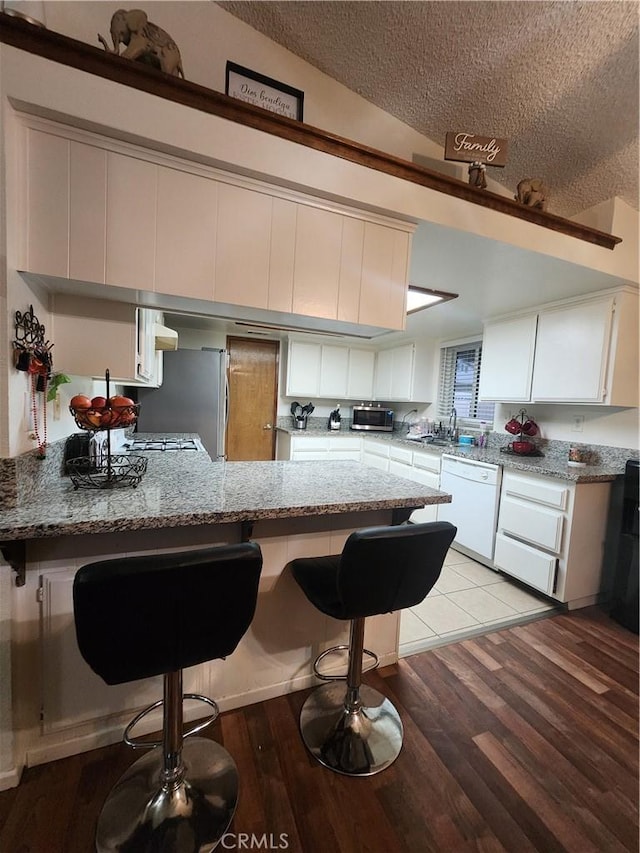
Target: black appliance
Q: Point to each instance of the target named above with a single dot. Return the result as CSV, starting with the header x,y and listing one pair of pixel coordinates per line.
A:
x,y
625,603
76,447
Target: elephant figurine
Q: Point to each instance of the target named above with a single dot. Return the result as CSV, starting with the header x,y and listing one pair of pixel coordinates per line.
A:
x,y
143,41
532,193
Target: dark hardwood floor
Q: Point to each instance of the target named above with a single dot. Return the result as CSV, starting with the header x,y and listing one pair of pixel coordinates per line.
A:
x,y
521,740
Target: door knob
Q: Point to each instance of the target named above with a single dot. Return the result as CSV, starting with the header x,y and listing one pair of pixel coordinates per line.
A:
x,y
268,426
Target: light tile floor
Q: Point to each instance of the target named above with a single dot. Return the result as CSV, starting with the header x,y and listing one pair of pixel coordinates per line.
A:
x,y
469,599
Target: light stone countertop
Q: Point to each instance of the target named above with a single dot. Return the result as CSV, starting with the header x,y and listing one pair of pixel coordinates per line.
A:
x,y
610,465
187,488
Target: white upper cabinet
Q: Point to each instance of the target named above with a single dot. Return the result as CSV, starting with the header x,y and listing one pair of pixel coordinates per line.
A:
x,y
93,335
317,262
47,193
132,186
303,369
403,374
350,270
87,212
334,368
105,211
284,215
329,371
243,246
571,353
383,377
385,262
186,234
582,350
360,374
507,359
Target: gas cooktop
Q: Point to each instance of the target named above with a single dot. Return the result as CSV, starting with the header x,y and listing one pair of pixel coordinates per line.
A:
x,y
138,445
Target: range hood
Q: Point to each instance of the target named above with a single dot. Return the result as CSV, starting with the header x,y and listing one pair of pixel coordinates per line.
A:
x,y
165,339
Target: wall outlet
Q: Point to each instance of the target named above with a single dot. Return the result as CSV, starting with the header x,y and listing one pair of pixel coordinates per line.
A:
x,y
578,423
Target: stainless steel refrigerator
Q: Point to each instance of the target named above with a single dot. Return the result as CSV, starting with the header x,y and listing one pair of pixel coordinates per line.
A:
x,y
193,397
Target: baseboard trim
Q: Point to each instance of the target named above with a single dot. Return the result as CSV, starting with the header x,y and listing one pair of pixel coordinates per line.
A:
x,y
112,733
10,779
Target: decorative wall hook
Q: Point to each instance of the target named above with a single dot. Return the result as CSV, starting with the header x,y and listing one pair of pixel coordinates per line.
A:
x,y
32,354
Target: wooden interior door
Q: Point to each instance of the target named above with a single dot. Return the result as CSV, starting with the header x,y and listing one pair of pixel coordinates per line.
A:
x,y
253,399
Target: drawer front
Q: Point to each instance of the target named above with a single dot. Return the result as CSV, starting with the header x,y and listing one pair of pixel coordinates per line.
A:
x,y
308,444
401,454
535,524
428,461
376,447
427,478
374,461
321,455
344,442
540,491
525,563
344,455
400,470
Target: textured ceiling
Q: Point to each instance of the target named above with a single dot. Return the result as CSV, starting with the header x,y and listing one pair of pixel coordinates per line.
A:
x,y
559,80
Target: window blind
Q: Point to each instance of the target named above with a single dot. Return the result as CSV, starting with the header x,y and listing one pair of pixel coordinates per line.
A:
x,y
458,386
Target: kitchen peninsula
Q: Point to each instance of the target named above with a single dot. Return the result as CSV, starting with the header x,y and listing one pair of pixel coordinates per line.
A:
x,y
184,500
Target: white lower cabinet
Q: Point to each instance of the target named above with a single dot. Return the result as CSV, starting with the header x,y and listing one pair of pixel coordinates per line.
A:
x,y
426,470
309,448
81,695
423,468
528,564
345,448
375,454
538,525
342,448
551,535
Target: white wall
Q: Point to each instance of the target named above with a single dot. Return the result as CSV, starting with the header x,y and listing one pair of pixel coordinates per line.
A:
x,y
207,37
602,424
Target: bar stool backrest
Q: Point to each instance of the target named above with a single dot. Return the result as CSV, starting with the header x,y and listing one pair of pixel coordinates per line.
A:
x,y
383,569
137,617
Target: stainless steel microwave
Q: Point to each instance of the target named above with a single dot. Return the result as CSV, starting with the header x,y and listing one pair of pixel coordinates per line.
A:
x,y
373,418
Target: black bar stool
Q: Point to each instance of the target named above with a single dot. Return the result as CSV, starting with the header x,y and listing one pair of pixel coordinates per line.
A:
x,y
356,730
138,617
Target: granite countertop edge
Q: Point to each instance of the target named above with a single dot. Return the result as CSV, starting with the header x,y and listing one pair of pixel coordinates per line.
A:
x,y
218,493
70,528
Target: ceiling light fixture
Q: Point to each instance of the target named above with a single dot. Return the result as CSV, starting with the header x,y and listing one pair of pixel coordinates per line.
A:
x,y
423,297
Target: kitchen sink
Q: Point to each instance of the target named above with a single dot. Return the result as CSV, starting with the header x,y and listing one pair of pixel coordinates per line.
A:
x,y
438,442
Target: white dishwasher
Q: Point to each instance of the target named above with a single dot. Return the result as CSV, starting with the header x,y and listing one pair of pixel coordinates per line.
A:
x,y
475,490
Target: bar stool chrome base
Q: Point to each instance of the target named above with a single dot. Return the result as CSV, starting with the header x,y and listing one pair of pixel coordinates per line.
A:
x,y
355,733
143,814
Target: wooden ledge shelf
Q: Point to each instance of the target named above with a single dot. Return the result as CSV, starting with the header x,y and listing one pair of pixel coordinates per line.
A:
x,y
93,60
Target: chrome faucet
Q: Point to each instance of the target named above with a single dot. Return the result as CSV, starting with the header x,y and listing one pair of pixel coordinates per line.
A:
x,y
453,420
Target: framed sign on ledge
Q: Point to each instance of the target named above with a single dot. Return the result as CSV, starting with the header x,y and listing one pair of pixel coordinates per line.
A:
x,y
254,88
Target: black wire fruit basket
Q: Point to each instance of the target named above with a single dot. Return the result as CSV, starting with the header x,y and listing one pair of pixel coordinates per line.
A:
x,y
117,470
106,470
